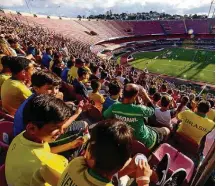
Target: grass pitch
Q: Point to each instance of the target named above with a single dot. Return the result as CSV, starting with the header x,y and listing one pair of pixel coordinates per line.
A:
x,y
191,64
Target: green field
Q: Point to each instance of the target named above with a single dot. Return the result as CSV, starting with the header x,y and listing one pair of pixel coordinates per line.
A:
x,y
192,64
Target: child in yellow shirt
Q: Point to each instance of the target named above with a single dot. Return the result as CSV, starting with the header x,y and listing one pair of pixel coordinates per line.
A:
x,y
95,95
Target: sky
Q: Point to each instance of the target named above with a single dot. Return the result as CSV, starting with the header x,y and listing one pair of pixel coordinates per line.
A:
x,y
72,8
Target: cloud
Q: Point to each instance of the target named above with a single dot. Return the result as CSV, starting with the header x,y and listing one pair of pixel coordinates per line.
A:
x,y
86,7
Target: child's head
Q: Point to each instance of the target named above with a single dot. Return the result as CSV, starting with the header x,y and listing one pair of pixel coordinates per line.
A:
x,y
109,146
114,88
104,75
45,82
45,118
82,73
152,90
185,100
95,85
165,101
156,97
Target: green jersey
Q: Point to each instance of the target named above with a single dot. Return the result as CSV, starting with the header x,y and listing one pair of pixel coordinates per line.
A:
x,y
134,115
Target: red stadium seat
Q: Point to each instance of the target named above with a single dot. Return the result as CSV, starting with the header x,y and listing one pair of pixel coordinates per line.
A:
x,y
138,147
94,114
3,152
6,131
2,176
5,116
185,144
178,160
183,161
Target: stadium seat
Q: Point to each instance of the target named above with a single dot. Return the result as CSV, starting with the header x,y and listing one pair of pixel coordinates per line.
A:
x,y
183,161
2,176
138,147
3,152
94,114
159,153
178,160
179,142
6,131
5,116
68,91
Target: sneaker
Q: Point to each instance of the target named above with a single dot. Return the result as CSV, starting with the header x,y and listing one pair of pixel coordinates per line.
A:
x,y
177,178
162,169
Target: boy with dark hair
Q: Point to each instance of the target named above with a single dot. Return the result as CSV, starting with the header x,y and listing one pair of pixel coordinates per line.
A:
x,y
79,87
114,94
45,119
196,125
95,72
73,72
109,149
95,96
43,82
14,91
156,98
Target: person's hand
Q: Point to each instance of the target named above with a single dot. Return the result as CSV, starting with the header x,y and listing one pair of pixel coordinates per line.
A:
x,y
143,170
77,142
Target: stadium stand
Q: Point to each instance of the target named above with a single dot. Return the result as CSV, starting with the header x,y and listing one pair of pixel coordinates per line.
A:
x,y
57,70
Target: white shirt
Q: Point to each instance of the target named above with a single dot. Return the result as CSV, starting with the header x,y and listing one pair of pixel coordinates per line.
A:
x,y
121,79
163,117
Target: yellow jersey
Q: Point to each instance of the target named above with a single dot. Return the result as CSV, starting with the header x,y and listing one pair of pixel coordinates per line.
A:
x,y
98,100
211,114
77,173
25,158
3,78
72,74
13,93
194,126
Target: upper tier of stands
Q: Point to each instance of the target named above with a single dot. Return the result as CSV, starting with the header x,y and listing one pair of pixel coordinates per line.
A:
x,y
92,31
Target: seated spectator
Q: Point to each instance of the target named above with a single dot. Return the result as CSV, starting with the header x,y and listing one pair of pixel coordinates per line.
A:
x,y
6,72
43,82
79,87
95,96
57,65
134,115
163,90
182,106
73,74
211,113
156,99
65,71
152,91
47,58
13,90
114,94
164,114
87,65
191,102
103,80
196,125
45,118
120,77
15,47
108,153
95,73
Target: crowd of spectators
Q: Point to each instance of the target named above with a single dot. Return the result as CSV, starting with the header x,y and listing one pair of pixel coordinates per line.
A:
x,y
36,66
